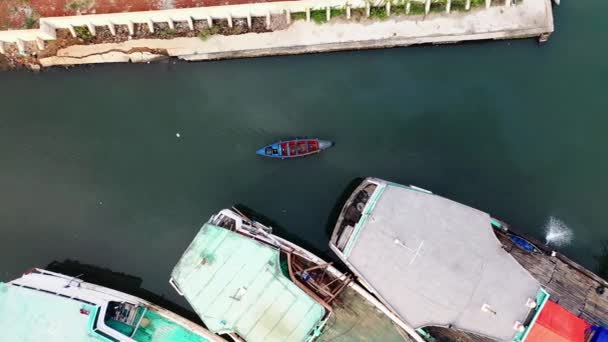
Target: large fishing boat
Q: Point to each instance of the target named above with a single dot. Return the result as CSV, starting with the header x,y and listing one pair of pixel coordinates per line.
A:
x,y
247,284
457,273
48,306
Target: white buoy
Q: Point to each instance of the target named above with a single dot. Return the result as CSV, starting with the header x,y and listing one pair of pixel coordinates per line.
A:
x,y
178,135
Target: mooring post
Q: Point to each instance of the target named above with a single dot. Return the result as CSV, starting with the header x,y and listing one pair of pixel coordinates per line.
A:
x,y
72,30
112,29
368,10
171,24
2,51
467,6
268,20
209,22
327,13
347,11
20,46
388,8
448,7
91,28
427,7
229,19
131,28
307,14
408,7
190,23
507,3
488,3
249,20
40,43
150,26
288,16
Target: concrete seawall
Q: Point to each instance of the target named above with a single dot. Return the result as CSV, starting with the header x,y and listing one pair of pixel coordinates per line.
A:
x,y
528,18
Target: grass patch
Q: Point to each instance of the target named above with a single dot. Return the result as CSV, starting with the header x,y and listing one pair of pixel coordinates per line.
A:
x,y
208,32
298,16
167,33
417,8
30,22
378,13
438,6
83,33
338,12
478,3
458,5
318,16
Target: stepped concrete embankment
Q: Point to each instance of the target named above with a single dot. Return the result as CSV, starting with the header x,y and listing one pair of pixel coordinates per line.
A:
x,y
272,28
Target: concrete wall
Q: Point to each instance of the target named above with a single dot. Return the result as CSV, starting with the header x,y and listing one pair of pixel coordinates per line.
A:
x,y
48,26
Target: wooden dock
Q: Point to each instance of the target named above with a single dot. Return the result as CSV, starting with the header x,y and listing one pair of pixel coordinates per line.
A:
x,y
568,283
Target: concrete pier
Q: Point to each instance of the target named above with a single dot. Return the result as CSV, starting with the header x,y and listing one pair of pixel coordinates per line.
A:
x,y
529,18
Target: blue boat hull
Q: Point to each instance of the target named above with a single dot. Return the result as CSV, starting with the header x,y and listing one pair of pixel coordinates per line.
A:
x,y
294,148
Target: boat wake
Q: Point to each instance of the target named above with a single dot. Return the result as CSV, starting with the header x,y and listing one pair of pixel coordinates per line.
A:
x,y
558,234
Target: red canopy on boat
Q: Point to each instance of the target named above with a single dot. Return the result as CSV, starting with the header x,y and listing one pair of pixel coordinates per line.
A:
x,y
556,324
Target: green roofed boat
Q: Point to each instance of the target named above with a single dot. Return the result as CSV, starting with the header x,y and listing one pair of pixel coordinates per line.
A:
x,y
247,284
48,306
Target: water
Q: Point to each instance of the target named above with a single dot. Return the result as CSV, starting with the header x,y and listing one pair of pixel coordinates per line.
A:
x,y
557,233
92,169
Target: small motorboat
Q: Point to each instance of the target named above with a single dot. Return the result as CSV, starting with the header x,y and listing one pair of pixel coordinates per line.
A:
x,y
294,148
524,244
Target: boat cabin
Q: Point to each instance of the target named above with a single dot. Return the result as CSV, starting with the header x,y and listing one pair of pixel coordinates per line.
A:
x,y
48,306
435,262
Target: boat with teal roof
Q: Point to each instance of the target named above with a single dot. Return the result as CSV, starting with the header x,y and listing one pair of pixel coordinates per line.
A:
x,y
48,306
250,285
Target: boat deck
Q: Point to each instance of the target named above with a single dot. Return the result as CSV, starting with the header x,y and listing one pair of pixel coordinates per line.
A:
x,y
355,319
569,284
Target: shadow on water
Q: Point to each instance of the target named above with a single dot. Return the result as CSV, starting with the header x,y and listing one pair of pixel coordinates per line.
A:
x,y
332,218
277,229
118,281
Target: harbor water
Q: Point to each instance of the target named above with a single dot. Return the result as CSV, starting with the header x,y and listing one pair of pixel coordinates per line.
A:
x,y
119,165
